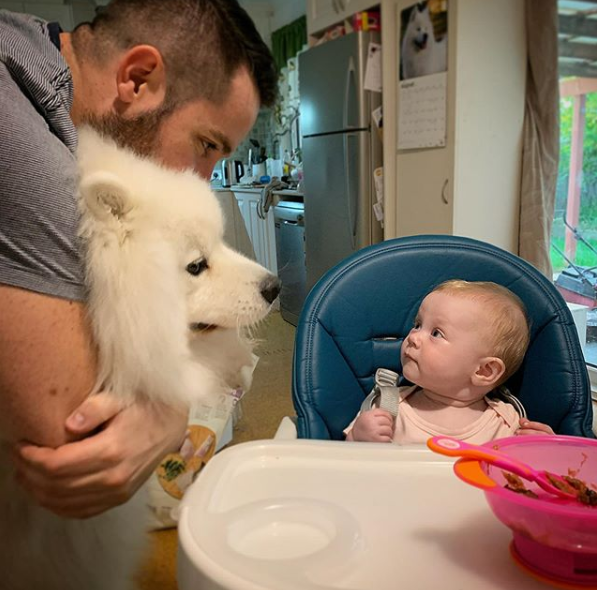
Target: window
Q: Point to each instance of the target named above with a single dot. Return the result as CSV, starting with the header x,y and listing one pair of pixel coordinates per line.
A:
x,y
574,232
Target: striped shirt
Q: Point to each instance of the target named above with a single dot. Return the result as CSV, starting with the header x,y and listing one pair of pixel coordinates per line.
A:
x,y
39,249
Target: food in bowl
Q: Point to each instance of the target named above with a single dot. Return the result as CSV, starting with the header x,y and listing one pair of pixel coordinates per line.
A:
x,y
585,493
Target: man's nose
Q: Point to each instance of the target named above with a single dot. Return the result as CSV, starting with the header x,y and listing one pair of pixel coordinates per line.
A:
x,y
205,167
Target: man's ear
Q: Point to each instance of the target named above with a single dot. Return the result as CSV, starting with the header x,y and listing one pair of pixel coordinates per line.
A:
x,y
106,196
140,80
488,372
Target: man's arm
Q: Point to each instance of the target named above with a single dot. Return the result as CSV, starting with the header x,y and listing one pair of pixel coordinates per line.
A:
x,y
47,365
47,360
47,369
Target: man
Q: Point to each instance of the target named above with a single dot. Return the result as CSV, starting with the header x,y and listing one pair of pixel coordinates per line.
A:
x,y
178,80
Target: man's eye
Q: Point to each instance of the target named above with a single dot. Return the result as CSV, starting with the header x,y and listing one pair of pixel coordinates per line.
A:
x,y
207,146
197,266
436,333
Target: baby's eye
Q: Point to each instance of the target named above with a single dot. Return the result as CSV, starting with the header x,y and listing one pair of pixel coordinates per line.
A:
x,y
417,325
436,333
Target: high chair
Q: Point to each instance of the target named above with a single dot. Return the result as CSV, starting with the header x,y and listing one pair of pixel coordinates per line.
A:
x,y
330,515
356,316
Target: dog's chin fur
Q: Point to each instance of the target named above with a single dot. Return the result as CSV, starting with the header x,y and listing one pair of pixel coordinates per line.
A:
x,y
142,226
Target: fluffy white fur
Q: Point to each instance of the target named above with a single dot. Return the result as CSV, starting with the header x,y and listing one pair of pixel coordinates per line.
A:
x,y
422,55
142,226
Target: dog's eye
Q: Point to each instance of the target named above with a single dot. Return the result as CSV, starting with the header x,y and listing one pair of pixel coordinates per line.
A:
x,y
197,266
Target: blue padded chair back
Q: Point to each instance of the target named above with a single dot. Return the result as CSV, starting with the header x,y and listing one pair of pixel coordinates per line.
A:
x,y
356,316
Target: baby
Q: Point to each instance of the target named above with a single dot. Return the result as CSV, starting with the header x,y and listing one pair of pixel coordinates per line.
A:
x,y
468,338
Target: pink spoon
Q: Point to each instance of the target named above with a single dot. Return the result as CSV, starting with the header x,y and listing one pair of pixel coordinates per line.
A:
x,y
550,482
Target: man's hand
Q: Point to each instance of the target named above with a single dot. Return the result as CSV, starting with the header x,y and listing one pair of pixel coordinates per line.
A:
x,y
84,478
373,426
533,428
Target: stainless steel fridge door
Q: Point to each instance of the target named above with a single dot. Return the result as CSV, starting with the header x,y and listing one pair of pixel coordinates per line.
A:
x,y
338,205
331,78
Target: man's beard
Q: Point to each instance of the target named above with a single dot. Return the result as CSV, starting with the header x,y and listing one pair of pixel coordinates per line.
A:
x,y
139,133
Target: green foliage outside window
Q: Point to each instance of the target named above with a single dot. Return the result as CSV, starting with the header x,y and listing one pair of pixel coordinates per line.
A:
x,y
587,224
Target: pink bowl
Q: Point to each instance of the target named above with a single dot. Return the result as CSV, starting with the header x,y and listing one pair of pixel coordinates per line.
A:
x,y
554,537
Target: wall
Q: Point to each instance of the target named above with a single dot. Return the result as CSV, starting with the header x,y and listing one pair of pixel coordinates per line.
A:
x,y
67,14
262,14
277,13
286,12
268,17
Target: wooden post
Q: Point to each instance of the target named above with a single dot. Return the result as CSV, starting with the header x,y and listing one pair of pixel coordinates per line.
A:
x,y
575,177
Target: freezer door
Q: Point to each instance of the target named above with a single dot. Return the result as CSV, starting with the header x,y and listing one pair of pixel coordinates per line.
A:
x,y
338,205
331,78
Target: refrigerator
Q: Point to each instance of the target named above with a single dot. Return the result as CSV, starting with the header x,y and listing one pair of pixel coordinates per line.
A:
x,y
341,149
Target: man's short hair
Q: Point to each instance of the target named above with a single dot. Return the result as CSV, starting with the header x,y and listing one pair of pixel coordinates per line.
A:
x,y
202,42
506,317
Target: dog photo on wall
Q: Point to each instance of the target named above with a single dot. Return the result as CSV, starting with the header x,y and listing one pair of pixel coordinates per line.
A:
x,y
424,39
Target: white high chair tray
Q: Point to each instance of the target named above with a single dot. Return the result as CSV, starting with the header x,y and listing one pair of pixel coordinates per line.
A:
x,y
314,515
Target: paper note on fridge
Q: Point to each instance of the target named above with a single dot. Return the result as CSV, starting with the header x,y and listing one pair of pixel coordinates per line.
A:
x,y
373,69
422,112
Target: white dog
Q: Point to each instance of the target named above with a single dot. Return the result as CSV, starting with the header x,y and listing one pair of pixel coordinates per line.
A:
x,y
168,301
421,53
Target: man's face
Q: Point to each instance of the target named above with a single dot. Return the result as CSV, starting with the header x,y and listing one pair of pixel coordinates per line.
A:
x,y
200,133
446,345
193,136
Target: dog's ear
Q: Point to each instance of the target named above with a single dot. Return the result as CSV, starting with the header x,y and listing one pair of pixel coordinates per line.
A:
x,y
106,196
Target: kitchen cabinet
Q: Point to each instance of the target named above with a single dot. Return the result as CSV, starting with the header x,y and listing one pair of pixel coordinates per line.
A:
x,y
470,187
235,230
322,14
262,232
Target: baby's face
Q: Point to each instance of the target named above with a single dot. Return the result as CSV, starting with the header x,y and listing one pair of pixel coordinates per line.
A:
x,y
446,344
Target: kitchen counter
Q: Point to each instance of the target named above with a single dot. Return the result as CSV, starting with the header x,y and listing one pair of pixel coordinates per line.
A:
x,y
291,194
239,188
287,192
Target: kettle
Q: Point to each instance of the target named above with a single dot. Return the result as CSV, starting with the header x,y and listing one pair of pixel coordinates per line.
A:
x,y
232,172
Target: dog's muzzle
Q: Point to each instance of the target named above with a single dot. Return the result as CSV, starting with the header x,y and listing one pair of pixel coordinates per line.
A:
x,y
421,41
270,288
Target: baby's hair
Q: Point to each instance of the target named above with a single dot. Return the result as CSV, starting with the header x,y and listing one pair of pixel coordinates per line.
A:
x,y
507,319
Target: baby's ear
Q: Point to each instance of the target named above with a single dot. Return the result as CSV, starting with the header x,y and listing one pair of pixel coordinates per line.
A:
x,y
106,196
489,372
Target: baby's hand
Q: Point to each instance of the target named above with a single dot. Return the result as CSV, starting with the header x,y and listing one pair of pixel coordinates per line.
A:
x,y
373,426
535,428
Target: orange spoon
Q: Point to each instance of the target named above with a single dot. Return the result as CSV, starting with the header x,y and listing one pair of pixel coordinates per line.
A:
x,y
550,482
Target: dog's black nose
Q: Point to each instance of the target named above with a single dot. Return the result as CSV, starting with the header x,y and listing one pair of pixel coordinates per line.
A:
x,y
270,288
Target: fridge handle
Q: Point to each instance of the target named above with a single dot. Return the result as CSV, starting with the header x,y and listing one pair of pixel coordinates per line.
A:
x,y
350,200
350,76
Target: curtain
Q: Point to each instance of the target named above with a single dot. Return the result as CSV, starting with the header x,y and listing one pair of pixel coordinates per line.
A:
x,y
541,135
288,40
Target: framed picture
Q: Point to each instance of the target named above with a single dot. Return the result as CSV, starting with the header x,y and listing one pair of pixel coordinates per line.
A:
x,y
424,39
